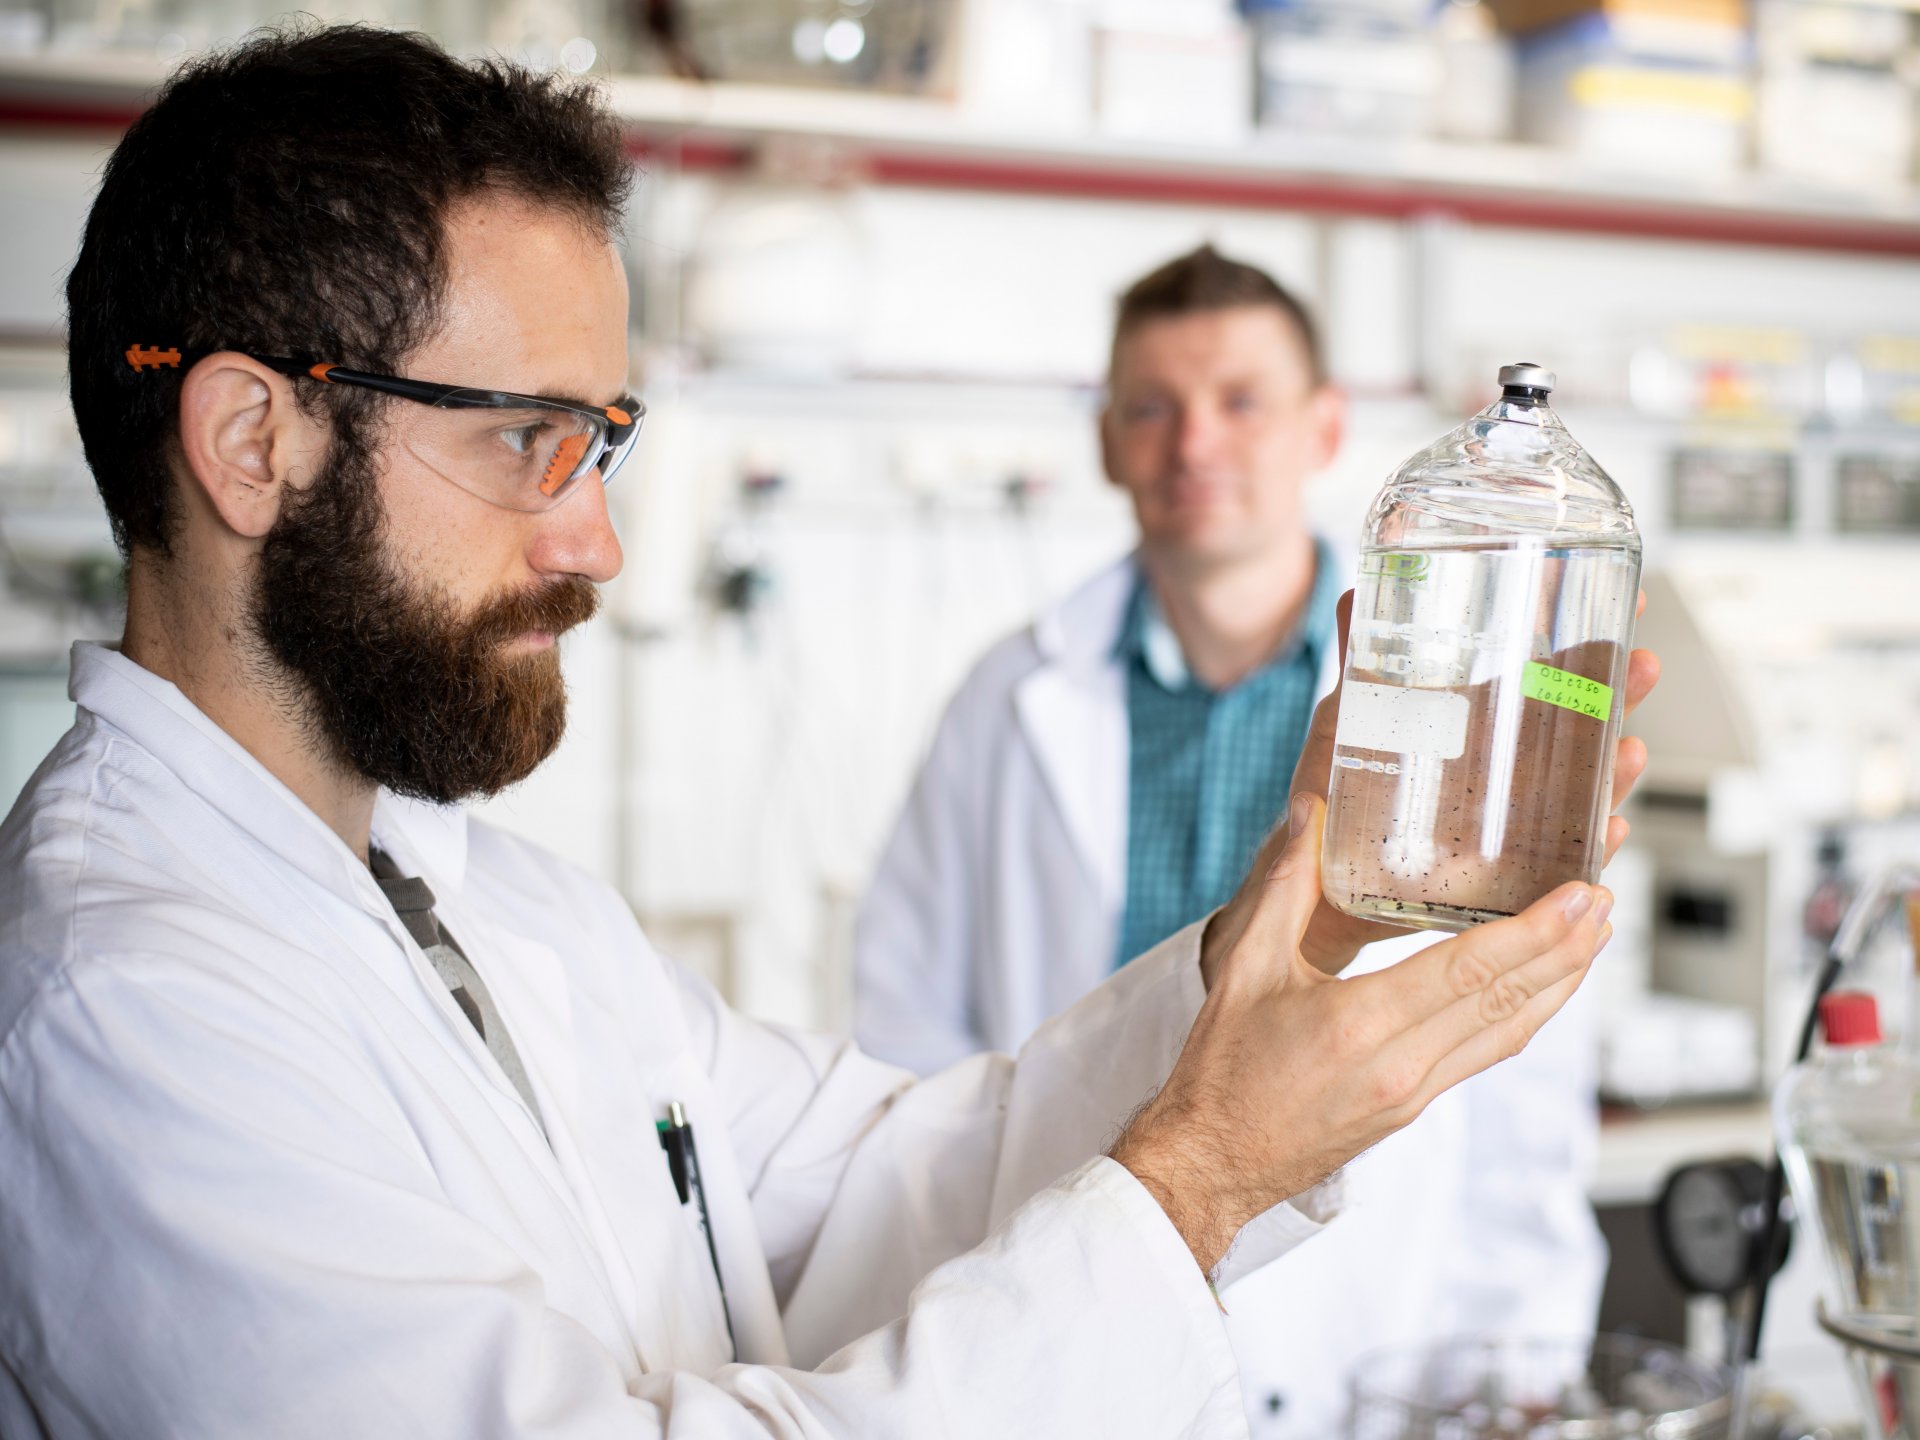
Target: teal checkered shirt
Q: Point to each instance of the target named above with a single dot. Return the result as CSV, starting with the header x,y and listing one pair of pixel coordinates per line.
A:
x,y
1207,773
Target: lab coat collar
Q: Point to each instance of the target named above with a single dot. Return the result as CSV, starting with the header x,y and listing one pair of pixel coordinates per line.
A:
x,y
1079,633
157,716
1073,710
1144,633
436,833
528,976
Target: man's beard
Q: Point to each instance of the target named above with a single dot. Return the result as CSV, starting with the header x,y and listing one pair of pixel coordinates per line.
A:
x,y
397,684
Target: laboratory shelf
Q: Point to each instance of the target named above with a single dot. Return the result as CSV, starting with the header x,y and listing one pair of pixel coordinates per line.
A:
x,y
903,141
80,91
921,142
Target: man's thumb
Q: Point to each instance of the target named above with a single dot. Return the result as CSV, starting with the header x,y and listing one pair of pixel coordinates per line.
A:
x,y
1292,888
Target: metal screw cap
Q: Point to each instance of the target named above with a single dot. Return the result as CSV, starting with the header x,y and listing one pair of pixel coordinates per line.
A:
x,y
1527,374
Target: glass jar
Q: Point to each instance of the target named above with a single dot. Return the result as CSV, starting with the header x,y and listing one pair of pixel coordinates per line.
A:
x,y
1848,1124
1486,660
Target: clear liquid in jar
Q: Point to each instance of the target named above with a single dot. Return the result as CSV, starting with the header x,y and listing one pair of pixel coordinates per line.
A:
x,y
1473,764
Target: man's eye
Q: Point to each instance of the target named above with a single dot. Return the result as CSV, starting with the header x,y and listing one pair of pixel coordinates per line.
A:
x,y
1140,412
522,438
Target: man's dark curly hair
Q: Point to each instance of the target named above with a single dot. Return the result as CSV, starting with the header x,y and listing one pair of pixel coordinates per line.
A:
x,y
289,197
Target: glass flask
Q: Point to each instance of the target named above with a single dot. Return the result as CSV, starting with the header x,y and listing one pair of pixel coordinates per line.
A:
x,y
1848,1124
1608,1387
1484,693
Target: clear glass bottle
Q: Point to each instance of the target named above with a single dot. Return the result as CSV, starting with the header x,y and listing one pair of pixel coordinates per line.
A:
x,y
1483,695
1848,1123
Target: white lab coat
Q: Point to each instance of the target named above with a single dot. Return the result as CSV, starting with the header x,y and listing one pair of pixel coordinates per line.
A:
x,y
259,1177
997,903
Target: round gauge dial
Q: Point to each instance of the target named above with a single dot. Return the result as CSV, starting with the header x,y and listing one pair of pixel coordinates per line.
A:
x,y
1708,1220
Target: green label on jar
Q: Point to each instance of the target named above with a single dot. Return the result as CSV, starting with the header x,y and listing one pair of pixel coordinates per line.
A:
x,y
1567,690
1407,569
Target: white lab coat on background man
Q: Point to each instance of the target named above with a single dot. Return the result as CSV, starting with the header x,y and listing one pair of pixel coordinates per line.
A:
x,y
262,1177
996,904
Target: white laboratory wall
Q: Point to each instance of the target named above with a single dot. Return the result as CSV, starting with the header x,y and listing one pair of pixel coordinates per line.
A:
x,y
1005,285
767,753
47,184
905,361
776,747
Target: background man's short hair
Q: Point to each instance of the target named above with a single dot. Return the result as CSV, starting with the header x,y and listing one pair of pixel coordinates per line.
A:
x,y
289,196
1205,280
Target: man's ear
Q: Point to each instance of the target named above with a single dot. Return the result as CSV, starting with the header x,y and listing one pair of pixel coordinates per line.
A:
x,y
244,439
1327,407
1106,443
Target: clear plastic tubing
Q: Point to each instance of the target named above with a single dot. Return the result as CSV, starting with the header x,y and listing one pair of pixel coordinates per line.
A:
x,y
1486,661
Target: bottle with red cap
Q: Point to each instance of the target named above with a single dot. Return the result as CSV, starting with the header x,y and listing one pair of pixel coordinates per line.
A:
x,y
1848,1123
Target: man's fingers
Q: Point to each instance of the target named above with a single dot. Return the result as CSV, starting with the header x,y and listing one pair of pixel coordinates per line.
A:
x,y
1617,832
1343,620
1643,673
1490,1045
1494,1021
1482,961
1630,758
1509,993
1629,763
1496,981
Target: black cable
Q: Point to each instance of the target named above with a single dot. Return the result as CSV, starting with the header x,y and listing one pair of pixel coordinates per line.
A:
x,y
1766,1253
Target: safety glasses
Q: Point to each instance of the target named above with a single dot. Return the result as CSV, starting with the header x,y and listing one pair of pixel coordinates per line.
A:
x,y
521,452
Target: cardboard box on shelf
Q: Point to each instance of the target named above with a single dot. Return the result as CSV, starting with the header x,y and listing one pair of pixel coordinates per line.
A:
x,y
1836,124
1172,71
1836,101
1522,16
1362,69
1671,101
1172,89
1026,65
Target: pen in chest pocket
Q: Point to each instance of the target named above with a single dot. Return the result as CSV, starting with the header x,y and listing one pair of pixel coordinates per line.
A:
x,y
683,1163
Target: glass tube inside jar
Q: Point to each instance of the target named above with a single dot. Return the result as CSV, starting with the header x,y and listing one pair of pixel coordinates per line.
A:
x,y
1483,698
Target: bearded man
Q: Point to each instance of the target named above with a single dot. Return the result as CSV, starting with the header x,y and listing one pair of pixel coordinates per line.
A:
x,y
326,1112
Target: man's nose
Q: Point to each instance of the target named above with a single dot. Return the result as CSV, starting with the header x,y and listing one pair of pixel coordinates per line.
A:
x,y
1198,437
577,535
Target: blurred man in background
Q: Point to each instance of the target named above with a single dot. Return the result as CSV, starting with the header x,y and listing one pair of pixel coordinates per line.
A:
x,y
1100,780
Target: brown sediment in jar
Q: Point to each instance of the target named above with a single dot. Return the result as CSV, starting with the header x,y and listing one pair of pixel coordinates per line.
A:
x,y
1488,833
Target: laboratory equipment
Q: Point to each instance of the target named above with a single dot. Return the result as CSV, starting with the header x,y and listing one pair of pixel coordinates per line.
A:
x,y
1885,1356
1708,1222
1487,654
1848,1129
894,45
1614,1387
1850,1140
1877,494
